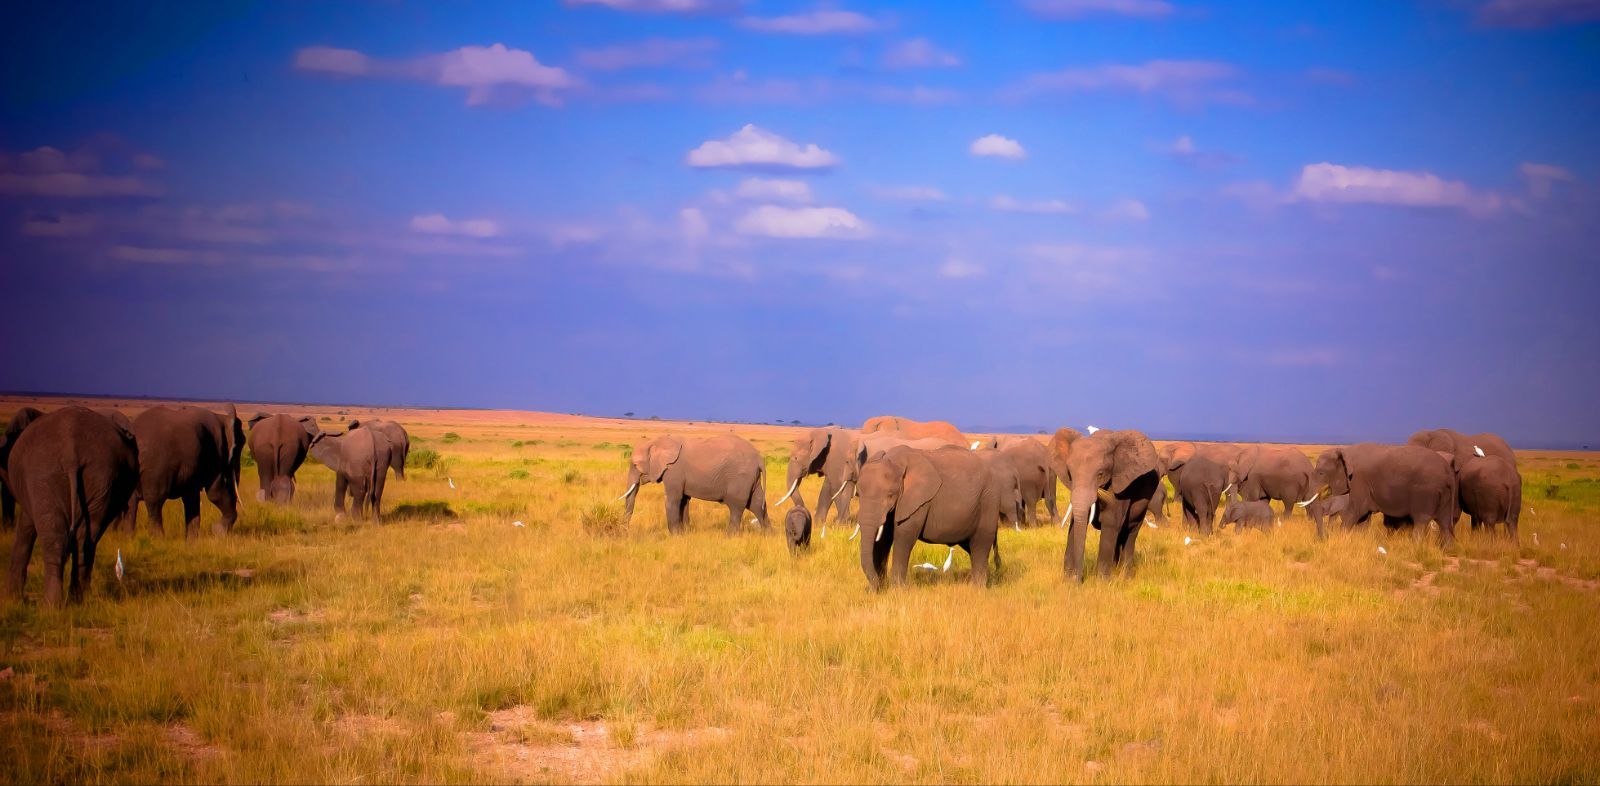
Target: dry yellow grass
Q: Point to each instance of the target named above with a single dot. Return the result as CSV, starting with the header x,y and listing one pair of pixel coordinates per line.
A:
x,y
447,644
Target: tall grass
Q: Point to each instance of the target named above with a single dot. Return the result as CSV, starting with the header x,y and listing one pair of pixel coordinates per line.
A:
x,y
298,649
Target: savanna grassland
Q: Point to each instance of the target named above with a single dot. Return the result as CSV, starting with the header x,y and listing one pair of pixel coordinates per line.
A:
x,y
448,644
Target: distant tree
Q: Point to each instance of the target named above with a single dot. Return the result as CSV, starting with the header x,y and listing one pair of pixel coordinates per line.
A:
x,y
655,417
627,414
795,422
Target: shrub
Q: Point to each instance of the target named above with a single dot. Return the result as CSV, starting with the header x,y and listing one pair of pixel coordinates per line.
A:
x,y
1552,491
1572,465
570,476
450,436
247,459
605,521
424,458
518,474
517,444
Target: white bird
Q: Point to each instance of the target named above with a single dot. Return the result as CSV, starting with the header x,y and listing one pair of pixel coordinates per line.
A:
x,y
451,481
1477,450
1563,547
1382,550
1535,538
949,558
975,444
926,566
518,524
1092,429
1016,526
119,564
1187,541
1151,524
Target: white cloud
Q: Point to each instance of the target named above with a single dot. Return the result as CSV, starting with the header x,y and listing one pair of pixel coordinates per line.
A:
x,y
438,224
908,193
760,189
1182,81
50,172
1073,9
662,6
822,21
997,146
802,222
1529,14
1043,206
694,225
1126,210
753,147
650,53
1082,254
956,267
1336,183
919,53
487,72
1541,177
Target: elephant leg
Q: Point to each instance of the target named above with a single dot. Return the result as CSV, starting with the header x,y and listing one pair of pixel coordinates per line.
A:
x,y
8,508
902,558
735,517
842,500
378,485
341,485
222,496
1191,519
83,545
978,547
56,548
1050,500
758,506
1127,550
1108,551
21,552
191,514
824,501
677,507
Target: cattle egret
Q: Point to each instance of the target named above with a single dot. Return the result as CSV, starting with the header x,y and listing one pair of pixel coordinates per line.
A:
x,y
1187,541
119,564
949,558
975,444
1382,550
926,566
1563,547
1535,538
518,524
1092,429
1477,450
451,481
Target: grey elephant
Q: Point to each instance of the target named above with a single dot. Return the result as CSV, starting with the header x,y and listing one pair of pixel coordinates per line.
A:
x,y
723,468
1112,476
1199,482
1247,513
916,429
184,451
399,442
877,443
280,444
1324,507
1464,447
1036,479
1409,485
74,470
1490,490
948,496
797,528
833,453
14,428
1272,472
1009,499
360,460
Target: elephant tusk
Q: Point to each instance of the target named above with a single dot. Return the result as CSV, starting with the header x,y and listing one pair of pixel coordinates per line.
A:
x,y
1091,510
835,494
790,492
881,528
1226,489
1309,501
1104,495
856,532
949,558
1064,518
626,493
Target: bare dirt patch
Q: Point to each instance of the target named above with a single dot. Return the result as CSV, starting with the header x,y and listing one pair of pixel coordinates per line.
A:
x,y
522,747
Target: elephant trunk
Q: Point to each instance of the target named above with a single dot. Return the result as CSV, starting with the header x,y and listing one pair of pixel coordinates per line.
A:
x,y
633,490
1081,511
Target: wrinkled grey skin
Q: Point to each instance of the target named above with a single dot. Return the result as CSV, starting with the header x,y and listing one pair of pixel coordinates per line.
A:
x,y
1465,447
360,460
724,468
184,451
1199,482
797,528
1490,490
1114,475
280,444
1326,507
1409,485
833,453
948,496
8,501
399,442
1272,472
1030,459
74,471
1248,513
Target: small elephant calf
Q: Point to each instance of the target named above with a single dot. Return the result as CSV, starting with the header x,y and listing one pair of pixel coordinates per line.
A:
x,y
797,529
1323,509
1247,514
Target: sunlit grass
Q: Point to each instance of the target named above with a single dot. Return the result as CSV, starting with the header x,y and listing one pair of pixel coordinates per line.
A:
x,y
303,650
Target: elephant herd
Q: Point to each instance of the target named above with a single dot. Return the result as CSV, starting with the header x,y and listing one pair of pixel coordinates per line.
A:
x,y
927,482
69,475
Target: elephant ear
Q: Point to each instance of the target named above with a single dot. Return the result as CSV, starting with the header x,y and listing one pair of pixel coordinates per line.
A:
x,y
325,447
309,423
820,439
1449,458
1244,461
661,453
1132,458
1061,449
352,425
1175,455
921,482
256,418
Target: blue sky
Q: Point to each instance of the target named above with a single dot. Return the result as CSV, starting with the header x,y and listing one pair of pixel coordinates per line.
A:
x,y
1285,220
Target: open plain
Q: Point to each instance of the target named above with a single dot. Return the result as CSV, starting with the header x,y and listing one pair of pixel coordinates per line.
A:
x,y
504,623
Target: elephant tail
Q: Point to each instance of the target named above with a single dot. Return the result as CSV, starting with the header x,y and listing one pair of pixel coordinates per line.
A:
x,y
78,506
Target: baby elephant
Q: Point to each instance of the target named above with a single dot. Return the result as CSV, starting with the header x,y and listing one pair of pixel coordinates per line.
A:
x,y
1322,509
1247,514
797,529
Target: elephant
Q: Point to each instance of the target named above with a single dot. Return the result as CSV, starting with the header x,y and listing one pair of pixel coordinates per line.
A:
x,y
1247,513
1003,441
1009,499
723,468
280,444
74,471
399,442
875,444
1324,507
947,496
1467,446
1406,483
797,528
913,429
1199,482
1158,502
1115,473
20,420
182,452
360,459
1036,478
1490,488
833,453
1272,472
